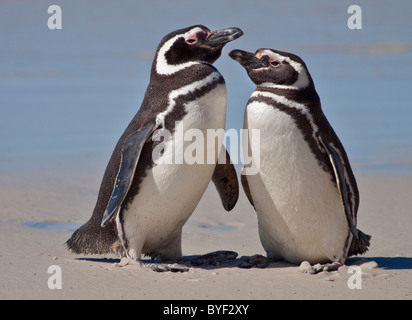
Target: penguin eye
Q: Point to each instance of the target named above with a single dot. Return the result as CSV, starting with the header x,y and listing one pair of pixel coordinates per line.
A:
x,y
191,40
275,63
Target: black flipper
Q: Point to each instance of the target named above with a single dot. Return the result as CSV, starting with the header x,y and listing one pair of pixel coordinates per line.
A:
x,y
339,170
225,180
130,154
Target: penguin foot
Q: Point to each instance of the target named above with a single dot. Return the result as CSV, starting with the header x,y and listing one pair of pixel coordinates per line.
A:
x,y
158,267
166,267
306,267
127,261
214,258
256,260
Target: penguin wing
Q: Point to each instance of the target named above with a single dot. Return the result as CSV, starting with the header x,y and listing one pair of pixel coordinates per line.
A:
x,y
337,162
225,180
130,154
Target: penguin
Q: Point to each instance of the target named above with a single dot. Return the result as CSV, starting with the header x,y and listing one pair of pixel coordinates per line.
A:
x,y
300,182
146,196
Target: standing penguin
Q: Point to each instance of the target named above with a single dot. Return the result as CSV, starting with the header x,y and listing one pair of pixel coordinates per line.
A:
x,y
304,192
146,196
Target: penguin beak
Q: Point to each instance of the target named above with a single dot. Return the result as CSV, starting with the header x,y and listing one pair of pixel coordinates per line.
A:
x,y
221,37
247,59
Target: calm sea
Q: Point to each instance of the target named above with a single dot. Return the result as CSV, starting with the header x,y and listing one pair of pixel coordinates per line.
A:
x,y
67,95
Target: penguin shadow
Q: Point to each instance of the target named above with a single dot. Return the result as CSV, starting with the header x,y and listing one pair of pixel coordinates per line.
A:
x,y
210,261
386,263
229,259
102,260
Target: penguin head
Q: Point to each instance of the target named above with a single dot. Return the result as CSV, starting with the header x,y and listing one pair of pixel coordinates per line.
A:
x,y
193,44
268,67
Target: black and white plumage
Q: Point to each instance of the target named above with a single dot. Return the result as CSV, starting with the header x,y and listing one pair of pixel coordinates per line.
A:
x,y
142,204
305,193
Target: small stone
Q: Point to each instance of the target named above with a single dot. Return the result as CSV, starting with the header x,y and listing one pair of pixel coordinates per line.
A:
x,y
305,267
369,265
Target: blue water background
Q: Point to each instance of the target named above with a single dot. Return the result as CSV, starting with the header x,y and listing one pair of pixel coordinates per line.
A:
x,y
67,95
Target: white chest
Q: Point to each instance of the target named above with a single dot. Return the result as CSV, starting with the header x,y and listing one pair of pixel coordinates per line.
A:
x,y
298,206
171,189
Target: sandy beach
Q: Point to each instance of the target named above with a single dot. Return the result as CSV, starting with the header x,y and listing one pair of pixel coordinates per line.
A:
x,y
65,199
66,95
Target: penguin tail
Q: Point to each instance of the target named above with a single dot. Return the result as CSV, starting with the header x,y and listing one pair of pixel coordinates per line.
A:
x,y
359,245
91,238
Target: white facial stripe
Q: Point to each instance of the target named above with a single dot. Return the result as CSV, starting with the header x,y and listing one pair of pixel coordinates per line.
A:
x,y
303,79
162,67
182,91
292,104
192,32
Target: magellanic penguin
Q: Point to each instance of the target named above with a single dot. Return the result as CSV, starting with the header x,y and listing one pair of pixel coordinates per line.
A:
x,y
143,202
305,193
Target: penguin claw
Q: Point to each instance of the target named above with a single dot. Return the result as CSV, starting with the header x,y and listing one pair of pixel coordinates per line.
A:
x,y
305,267
166,267
256,260
127,261
158,267
214,258
332,266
